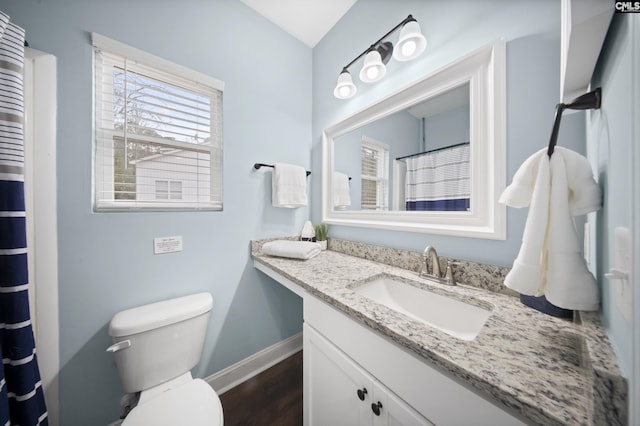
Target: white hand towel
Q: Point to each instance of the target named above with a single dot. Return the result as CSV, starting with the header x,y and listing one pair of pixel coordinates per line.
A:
x,y
289,189
292,249
530,187
549,262
341,191
570,285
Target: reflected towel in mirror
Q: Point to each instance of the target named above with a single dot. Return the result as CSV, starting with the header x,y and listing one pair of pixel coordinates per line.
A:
x,y
341,191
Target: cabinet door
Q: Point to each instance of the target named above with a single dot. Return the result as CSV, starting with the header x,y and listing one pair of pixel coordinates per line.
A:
x,y
389,410
333,385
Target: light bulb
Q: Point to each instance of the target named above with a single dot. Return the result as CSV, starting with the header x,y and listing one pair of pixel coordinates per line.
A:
x,y
411,42
408,48
373,69
345,87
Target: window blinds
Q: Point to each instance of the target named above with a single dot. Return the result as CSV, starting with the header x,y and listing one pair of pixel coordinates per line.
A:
x,y
155,132
369,170
374,159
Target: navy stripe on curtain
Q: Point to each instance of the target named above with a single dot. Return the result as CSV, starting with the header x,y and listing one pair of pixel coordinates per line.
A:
x,y
455,205
21,394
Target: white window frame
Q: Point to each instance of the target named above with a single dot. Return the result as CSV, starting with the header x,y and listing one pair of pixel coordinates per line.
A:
x,y
382,173
103,196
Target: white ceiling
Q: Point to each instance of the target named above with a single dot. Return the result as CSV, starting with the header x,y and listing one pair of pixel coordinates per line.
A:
x,y
306,20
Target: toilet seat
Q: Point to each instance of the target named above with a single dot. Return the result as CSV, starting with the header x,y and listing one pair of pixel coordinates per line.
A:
x,y
193,403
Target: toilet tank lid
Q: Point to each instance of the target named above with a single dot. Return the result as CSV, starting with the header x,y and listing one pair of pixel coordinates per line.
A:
x,y
159,314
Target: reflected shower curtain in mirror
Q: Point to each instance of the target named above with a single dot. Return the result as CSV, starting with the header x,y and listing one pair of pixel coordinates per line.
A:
x,y
21,394
439,180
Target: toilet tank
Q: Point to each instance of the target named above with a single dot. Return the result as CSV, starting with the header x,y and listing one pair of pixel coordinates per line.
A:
x,y
157,342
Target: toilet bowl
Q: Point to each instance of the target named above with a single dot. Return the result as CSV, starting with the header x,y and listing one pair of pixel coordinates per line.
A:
x,y
193,403
155,347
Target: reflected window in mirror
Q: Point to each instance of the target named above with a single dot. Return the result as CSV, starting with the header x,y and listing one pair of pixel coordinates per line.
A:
x,y
374,166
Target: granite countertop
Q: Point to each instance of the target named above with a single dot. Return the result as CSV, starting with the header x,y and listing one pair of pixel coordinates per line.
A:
x,y
551,371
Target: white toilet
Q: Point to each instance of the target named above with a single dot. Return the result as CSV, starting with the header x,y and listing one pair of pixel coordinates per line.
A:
x,y
155,347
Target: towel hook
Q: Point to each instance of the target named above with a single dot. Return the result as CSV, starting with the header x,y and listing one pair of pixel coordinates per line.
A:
x,y
591,100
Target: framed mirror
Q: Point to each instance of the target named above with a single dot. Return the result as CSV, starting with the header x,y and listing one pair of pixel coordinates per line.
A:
x,y
429,158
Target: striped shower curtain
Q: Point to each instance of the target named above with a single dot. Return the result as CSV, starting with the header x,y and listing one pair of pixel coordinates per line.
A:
x,y
439,180
21,393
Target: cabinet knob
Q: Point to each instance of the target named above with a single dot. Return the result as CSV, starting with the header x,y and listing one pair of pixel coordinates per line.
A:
x,y
362,393
376,408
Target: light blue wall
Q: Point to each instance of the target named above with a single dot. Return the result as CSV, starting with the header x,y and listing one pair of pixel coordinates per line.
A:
x,y
614,151
532,32
447,128
106,260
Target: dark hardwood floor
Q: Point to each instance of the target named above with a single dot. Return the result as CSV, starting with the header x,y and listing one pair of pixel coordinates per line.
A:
x,y
273,397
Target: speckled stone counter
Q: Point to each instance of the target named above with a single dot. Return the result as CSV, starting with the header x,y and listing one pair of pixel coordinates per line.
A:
x,y
551,371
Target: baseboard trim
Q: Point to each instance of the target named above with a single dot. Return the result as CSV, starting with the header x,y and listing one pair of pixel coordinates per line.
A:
x,y
255,364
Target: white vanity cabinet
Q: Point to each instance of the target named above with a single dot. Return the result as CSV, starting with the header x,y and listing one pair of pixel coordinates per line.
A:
x,y
340,392
342,357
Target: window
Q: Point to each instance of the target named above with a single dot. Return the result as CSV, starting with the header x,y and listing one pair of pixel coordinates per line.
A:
x,y
374,157
168,190
158,143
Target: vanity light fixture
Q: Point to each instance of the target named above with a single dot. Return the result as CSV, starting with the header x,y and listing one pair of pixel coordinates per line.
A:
x,y
411,43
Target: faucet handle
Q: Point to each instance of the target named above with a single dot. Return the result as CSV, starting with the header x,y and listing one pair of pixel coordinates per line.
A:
x,y
424,270
449,274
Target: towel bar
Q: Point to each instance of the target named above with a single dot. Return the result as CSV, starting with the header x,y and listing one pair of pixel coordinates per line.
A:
x,y
258,165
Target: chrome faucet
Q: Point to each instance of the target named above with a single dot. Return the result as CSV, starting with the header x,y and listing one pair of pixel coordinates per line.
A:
x,y
430,252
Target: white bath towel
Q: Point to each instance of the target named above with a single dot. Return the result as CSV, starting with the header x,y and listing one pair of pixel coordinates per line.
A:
x,y
289,186
549,262
341,191
292,249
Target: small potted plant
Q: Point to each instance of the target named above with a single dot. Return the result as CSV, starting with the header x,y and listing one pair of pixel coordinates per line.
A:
x,y
322,229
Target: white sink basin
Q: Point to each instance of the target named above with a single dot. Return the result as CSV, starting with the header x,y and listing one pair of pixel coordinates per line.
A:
x,y
454,317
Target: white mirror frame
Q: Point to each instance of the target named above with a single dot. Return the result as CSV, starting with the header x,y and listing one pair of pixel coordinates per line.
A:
x,y
485,70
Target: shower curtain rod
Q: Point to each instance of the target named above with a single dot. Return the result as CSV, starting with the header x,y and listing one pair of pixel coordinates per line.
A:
x,y
432,150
